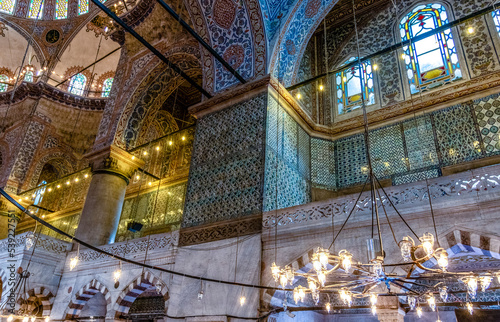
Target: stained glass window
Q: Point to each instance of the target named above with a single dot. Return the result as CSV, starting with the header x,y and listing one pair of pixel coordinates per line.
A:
x,y
3,83
106,87
28,77
36,9
61,9
7,6
496,19
431,61
353,85
77,84
83,6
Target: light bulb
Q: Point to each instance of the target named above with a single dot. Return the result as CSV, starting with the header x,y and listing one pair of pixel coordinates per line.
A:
x,y
412,301
322,278
302,293
283,281
145,153
33,318
321,87
375,67
25,319
373,299
443,260
289,274
296,297
312,285
328,307
471,286
419,312
10,318
275,271
323,257
242,300
406,245
432,302
200,295
315,296
346,260
443,293
427,241
485,282
158,148
470,30
374,310
377,268
316,263
73,262
170,142
299,96
470,308
403,56
116,275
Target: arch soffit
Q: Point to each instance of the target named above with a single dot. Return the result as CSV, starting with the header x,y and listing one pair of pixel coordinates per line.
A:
x,y
21,31
80,298
188,63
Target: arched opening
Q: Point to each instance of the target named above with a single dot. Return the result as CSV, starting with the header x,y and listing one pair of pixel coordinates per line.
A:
x,y
49,173
95,308
147,307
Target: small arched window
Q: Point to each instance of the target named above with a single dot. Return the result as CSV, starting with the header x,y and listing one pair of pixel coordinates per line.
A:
x,y
496,19
7,6
77,84
36,9
28,77
61,9
106,87
83,6
4,83
431,61
353,85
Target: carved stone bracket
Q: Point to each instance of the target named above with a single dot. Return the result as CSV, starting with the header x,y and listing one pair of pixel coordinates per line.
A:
x,y
221,230
114,160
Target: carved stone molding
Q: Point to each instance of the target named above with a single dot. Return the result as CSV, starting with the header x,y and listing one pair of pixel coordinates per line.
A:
x,y
221,230
43,242
38,90
114,160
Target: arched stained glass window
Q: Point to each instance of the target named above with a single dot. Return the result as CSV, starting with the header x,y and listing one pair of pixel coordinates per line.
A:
x,y
28,77
83,6
77,84
431,61
353,85
496,19
36,9
3,83
7,6
61,9
106,87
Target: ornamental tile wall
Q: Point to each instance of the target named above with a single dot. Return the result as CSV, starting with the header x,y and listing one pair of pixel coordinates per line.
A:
x,y
323,170
287,171
420,143
457,137
227,166
387,151
487,111
351,158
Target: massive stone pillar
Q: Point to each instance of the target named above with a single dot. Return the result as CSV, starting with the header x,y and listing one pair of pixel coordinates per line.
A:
x,y
111,170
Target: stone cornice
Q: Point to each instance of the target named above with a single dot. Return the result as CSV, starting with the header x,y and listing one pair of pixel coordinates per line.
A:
x,y
42,90
115,161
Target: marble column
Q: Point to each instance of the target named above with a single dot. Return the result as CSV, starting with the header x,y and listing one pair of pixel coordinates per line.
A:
x,y
112,169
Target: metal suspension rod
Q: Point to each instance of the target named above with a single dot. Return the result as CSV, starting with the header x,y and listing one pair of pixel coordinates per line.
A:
x,y
193,33
150,47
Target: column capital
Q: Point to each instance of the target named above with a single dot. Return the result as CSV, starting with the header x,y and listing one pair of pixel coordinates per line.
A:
x,y
115,161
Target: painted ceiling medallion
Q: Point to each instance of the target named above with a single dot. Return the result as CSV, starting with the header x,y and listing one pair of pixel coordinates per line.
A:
x,y
224,13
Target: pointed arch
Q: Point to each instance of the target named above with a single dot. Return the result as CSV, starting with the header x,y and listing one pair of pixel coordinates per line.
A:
x,y
44,295
81,297
145,281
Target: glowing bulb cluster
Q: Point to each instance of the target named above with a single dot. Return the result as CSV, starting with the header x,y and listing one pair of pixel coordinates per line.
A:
x,y
299,294
345,260
346,296
283,276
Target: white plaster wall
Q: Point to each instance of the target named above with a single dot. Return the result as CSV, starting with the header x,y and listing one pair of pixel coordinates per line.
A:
x,y
217,260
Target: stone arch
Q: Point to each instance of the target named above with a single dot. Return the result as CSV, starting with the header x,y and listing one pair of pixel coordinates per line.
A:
x,y
148,97
41,293
81,297
59,159
145,281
